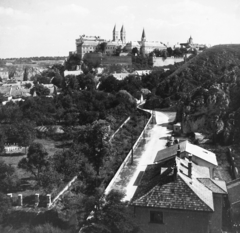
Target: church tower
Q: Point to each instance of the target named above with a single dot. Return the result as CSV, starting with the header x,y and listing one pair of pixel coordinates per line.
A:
x,y
190,40
143,36
143,40
123,34
115,34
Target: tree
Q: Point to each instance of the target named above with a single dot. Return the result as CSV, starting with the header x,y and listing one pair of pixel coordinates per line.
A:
x,y
118,50
11,71
170,51
127,99
25,74
111,215
177,52
59,69
8,177
71,83
86,81
109,84
22,132
72,62
28,85
5,205
58,80
2,141
103,46
92,140
50,179
36,161
135,51
41,78
40,90
68,163
10,113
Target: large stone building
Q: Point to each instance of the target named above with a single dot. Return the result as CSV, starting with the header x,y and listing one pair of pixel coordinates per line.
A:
x,y
89,44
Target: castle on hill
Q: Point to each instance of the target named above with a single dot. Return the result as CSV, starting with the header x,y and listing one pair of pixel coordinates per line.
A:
x,y
89,44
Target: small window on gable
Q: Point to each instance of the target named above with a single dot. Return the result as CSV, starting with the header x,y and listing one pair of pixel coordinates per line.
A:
x,y
156,217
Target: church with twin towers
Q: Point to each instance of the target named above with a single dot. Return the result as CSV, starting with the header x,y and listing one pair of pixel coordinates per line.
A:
x,y
90,44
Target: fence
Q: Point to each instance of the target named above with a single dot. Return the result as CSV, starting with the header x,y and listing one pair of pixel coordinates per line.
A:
x,y
62,192
129,154
119,128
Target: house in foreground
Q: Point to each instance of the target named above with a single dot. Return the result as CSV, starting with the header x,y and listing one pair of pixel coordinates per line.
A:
x,y
200,156
178,196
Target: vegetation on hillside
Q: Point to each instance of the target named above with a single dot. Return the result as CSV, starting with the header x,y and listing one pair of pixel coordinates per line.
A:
x,y
87,116
207,90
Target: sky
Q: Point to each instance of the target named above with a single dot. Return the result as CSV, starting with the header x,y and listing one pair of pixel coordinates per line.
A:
x,y
50,27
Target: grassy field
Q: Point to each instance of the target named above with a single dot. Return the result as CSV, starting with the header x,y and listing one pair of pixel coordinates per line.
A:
x,y
27,185
50,145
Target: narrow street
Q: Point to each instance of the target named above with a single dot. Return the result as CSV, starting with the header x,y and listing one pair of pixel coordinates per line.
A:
x,y
155,140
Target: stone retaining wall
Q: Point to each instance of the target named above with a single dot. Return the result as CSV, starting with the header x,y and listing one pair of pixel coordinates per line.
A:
x,y
232,162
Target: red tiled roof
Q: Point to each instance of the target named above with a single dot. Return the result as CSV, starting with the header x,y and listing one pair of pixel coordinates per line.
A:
x,y
162,191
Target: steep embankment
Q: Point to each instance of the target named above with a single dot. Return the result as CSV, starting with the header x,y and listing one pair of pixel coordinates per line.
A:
x,y
209,90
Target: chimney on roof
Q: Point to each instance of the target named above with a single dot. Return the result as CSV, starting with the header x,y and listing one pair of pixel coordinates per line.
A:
x,y
190,166
178,151
175,173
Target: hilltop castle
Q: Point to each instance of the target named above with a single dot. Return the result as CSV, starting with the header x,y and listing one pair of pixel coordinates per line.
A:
x,y
88,44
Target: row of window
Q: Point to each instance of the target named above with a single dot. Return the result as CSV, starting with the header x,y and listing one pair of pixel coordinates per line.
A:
x,y
87,48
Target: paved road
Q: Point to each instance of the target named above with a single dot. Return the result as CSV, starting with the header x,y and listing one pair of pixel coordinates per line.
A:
x,y
144,155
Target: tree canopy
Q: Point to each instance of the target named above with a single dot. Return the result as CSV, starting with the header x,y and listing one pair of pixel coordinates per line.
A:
x,y
36,161
111,216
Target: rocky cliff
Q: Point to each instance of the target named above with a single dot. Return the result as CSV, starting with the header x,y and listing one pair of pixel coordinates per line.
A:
x,y
207,89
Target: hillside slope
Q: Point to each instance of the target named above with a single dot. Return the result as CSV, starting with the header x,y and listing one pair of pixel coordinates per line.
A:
x,y
209,90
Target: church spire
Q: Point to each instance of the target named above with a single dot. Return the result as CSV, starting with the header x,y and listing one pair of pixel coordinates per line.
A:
x,y
115,33
114,29
123,29
143,43
123,34
143,35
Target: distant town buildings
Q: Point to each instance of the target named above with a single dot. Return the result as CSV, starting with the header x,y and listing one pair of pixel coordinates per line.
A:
x,y
104,52
3,74
88,44
190,45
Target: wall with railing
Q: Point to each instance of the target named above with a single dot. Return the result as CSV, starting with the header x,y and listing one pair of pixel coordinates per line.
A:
x,y
128,157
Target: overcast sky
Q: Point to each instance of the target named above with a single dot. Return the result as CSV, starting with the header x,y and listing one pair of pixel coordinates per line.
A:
x,y
50,27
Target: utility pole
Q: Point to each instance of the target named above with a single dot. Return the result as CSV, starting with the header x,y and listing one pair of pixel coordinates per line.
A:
x,y
144,126
132,149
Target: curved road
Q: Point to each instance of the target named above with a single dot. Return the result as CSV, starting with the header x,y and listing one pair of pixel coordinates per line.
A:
x,y
143,155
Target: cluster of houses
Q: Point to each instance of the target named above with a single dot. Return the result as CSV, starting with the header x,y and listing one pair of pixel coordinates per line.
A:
x,y
15,90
